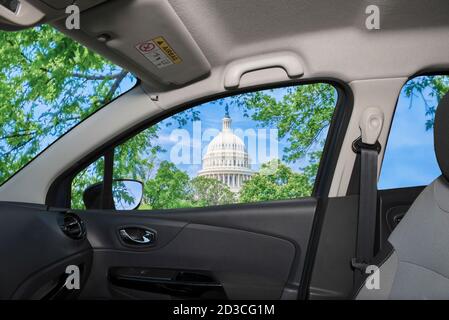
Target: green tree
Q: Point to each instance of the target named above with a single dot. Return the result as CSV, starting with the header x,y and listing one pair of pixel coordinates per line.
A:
x,y
89,176
275,181
210,192
48,83
137,157
303,115
168,189
430,89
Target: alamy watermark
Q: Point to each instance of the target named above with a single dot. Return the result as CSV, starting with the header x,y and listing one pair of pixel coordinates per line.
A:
x,y
73,19
189,147
73,279
373,280
372,21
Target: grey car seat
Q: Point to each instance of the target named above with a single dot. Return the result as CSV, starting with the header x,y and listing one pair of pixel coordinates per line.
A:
x,y
418,264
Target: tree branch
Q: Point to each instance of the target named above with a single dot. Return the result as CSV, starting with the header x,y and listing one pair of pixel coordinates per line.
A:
x,y
97,77
6,154
115,85
18,135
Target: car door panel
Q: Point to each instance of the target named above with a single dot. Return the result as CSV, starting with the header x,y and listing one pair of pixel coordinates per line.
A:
x,y
37,252
245,251
252,251
332,273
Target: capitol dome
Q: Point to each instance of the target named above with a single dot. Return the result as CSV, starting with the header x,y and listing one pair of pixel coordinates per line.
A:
x,y
226,158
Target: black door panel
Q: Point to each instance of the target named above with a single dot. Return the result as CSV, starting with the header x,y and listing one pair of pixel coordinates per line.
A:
x,y
248,265
251,251
332,274
247,251
36,252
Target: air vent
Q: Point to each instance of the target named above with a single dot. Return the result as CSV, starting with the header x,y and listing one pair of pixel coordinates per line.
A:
x,y
72,226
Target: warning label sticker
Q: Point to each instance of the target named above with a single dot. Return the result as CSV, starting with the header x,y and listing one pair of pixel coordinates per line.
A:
x,y
159,52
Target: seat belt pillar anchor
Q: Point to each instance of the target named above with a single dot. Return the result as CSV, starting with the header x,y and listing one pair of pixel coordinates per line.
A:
x,y
370,124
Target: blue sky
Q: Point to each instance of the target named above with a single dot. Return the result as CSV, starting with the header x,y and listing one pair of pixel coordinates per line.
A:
x,y
211,115
409,156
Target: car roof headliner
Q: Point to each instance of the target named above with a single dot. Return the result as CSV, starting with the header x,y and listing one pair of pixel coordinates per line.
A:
x,y
329,36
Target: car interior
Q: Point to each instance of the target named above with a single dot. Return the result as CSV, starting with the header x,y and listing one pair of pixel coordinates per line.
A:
x,y
357,212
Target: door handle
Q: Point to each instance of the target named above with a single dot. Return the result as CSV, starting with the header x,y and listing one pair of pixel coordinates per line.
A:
x,y
137,236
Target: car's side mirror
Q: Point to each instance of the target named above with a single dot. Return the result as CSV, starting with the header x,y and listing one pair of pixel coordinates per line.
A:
x,y
126,194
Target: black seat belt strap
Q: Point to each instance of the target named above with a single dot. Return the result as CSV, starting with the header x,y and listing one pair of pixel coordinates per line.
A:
x,y
367,207
367,145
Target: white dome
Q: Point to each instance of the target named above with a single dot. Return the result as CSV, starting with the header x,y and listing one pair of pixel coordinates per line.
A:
x,y
226,158
226,140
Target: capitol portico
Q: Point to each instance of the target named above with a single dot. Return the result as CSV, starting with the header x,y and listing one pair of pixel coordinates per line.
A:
x,y
226,158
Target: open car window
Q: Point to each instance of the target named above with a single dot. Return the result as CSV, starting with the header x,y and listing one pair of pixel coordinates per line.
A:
x,y
48,84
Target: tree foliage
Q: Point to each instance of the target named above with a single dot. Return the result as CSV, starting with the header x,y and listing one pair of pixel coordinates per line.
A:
x,y
430,89
302,114
168,189
210,192
275,181
48,83
88,176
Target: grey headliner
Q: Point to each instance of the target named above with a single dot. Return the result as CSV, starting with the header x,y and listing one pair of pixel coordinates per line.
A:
x,y
329,35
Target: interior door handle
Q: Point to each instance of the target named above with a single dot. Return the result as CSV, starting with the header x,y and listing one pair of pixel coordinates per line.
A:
x,y
137,236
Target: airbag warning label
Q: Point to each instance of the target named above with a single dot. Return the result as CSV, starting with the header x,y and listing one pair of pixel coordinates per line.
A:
x,y
159,52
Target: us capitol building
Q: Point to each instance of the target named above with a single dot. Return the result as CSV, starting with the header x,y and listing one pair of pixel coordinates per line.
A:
x,y
226,158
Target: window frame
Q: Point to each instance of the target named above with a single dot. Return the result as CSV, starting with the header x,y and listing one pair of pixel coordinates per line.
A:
x,y
353,187
59,193
424,73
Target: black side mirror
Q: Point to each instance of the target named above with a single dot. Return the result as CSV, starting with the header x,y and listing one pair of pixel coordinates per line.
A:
x,y
126,194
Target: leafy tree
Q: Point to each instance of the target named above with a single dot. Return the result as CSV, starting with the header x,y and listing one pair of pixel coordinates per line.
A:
x,y
210,192
89,176
137,157
48,83
430,89
168,189
303,114
275,181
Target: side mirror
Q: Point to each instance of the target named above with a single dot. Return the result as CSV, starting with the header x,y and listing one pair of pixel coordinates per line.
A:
x,y
126,194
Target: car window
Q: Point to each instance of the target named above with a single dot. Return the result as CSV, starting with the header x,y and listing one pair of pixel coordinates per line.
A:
x,y
409,155
91,175
48,84
259,146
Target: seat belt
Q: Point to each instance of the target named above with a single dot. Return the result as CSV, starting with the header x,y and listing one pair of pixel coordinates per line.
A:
x,y
367,145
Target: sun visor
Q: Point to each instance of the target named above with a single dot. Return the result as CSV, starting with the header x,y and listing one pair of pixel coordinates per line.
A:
x,y
149,34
